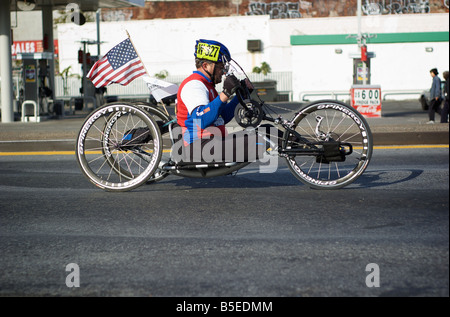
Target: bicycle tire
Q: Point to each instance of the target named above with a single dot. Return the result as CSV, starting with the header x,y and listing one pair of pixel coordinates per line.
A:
x,y
157,115
102,154
159,174
342,123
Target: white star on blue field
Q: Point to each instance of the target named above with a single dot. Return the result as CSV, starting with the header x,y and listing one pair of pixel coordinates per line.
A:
x,y
121,54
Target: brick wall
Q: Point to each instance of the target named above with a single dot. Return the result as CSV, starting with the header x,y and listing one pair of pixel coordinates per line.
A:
x,y
276,8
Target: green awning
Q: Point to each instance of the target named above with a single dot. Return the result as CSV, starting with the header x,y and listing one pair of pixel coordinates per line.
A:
x,y
379,38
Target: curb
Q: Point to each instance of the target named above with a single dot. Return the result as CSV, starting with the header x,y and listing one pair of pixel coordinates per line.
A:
x,y
380,139
411,138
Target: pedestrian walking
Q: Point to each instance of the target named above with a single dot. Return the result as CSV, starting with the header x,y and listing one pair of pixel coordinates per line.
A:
x,y
444,113
435,96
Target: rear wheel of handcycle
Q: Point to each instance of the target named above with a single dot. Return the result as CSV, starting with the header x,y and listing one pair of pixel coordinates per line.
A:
x,y
105,155
329,121
162,119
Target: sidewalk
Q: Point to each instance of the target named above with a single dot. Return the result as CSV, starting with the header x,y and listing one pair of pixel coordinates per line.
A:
x,y
402,123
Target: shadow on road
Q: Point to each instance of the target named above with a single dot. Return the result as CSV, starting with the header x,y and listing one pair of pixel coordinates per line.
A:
x,y
253,179
371,179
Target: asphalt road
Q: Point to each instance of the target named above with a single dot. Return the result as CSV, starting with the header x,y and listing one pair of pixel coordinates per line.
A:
x,y
251,234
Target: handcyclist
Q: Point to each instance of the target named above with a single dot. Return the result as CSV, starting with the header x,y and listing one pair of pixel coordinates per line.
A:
x,y
202,112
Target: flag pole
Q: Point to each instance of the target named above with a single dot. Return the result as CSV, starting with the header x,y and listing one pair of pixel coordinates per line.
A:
x,y
129,37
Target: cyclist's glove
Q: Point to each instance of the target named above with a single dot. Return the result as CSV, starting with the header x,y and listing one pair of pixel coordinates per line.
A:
x,y
246,83
230,85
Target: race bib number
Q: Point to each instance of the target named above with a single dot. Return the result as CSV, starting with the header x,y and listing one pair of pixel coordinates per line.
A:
x,y
208,51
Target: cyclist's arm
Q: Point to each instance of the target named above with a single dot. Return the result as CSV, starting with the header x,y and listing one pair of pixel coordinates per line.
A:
x,y
195,96
209,113
228,110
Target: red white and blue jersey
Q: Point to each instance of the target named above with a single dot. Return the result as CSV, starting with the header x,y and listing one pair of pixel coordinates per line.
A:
x,y
199,108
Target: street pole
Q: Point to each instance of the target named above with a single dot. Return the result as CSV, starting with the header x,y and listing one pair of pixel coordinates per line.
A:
x,y
237,3
6,63
97,20
358,13
361,40
84,84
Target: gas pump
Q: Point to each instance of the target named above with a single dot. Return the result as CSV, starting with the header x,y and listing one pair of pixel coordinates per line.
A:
x,y
88,90
361,66
35,93
361,72
365,97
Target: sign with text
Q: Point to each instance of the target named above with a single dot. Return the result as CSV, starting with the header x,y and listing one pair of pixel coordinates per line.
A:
x,y
366,99
30,47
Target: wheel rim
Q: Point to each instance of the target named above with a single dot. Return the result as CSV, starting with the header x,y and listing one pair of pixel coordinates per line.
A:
x,y
339,123
102,155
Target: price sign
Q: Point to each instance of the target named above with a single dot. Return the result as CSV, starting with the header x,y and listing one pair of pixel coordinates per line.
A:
x,y
367,100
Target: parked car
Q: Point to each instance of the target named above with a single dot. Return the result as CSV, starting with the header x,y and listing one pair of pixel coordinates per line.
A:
x,y
425,97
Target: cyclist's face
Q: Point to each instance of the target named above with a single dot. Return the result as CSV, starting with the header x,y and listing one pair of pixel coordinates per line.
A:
x,y
216,69
220,71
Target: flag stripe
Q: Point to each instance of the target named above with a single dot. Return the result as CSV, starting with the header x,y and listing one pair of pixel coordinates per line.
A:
x,y
101,74
130,79
120,65
126,79
109,75
98,71
126,72
98,67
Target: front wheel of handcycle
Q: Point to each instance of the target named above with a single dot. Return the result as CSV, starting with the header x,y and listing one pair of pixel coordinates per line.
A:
x,y
119,147
325,125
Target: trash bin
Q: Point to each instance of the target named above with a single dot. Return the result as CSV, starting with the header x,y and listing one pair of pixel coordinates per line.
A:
x,y
79,104
58,107
267,90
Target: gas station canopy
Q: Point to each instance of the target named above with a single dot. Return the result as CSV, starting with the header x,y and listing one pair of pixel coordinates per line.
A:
x,y
84,5
46,6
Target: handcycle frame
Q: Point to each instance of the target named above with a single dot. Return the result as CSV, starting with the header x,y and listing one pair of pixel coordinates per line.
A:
x,y
311,134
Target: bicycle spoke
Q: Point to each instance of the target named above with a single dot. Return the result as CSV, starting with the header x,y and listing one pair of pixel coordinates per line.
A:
x,y
323,122
103,155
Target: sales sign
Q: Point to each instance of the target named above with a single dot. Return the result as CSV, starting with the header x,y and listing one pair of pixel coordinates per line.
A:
x,y
366,99
19,47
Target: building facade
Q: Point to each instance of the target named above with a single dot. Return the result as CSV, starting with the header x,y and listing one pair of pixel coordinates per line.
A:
x,y
311,42
318,53
276,9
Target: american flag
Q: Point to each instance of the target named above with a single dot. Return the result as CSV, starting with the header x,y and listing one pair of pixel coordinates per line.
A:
x,y
120,65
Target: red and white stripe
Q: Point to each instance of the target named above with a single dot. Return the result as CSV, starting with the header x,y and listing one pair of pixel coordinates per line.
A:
x,y
102,74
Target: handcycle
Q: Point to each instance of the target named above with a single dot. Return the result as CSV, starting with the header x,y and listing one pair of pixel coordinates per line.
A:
x,y
123,145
